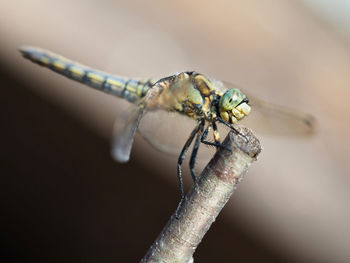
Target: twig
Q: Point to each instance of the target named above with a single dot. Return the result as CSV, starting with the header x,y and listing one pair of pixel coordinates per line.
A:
x,y
181,236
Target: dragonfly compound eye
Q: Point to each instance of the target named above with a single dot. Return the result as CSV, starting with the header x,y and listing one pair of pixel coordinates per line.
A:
x,y
231,99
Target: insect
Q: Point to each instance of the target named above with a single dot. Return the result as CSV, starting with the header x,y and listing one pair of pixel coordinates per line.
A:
x,y
191,94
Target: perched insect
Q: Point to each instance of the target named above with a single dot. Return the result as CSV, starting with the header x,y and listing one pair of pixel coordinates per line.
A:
x,y
191,94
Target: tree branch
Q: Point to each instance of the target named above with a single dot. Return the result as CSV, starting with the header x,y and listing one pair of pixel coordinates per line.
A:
x,y
181,236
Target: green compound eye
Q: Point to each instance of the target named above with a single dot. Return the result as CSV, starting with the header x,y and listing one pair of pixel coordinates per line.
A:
x,y
231,99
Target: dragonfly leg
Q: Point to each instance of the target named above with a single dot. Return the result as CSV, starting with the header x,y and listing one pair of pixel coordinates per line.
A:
x,y
216,133
232,128
228,125
180,161
195,150
217,142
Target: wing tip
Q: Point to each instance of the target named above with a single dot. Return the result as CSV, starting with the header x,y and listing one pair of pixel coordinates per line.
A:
x,y
120,156
310,124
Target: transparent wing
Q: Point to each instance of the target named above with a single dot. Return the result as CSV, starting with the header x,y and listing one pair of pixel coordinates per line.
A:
x,y
273,119
166,131
124,132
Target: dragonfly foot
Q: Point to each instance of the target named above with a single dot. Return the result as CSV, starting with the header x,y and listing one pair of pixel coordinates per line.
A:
x,y
178,208
223,147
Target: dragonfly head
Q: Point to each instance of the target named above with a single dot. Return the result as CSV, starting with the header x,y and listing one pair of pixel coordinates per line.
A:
x,y
233,105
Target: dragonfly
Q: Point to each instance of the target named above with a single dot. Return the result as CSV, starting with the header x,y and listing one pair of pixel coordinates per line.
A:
x,y
208,102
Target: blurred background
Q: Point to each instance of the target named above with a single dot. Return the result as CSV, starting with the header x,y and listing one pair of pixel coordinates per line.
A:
x,y
64,199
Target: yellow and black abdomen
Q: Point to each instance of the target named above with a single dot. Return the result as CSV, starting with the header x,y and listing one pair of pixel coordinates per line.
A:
x,y
130,89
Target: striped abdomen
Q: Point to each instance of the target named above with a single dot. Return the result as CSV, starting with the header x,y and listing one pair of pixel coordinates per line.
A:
x,y
130,89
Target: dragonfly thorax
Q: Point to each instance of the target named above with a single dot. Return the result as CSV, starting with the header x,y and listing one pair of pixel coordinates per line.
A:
x,y
188,93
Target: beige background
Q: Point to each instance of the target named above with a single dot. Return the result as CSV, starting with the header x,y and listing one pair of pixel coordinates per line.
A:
x,y
295,198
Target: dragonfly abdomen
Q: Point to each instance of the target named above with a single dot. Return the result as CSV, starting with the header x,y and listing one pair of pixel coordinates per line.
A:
x,y
128,88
